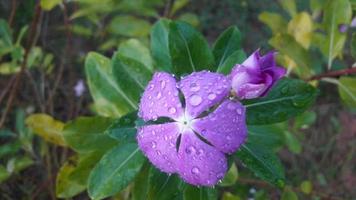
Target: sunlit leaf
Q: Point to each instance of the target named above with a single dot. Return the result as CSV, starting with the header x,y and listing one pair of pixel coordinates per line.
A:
x,y
129,26
275,22
301,27
230,177
47,128
134,49
190,18
49,4
290,6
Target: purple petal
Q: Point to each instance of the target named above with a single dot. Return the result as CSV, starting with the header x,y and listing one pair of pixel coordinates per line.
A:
x,y
353,22
200,163
160,98
268,60
158,143
203,90
225,128
276,72
252,62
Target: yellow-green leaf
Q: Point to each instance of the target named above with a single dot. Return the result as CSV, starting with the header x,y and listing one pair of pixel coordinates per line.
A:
x,y
229,196
289,6
347,90
49,4
47,128
306,187
274,21
301,27
289,194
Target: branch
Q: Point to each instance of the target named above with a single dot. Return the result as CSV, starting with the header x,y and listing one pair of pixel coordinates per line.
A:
x,y
333,74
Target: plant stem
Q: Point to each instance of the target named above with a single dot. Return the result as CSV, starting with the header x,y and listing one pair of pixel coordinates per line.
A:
x,y
333,74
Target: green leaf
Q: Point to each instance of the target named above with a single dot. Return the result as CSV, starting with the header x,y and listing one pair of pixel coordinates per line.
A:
x,y
289,6
49,4
47,128
230,177
188,49
124,129
9,148
306,187
140,187
129,26
275,22
271,136
263,162
5,35
301,27
159,45
353,45
190,18
200,193
109,98
335,13
19,163
304,120
131,76
135,50
86,134
227,43
292,142
65,187
178,4
289,194
4,174
347,91
116,169
230,196
287,45
288,98
162,186
237,57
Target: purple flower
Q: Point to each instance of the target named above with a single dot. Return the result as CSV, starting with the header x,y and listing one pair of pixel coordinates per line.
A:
x,y
353,22
194,143
79,88
343,28
255,76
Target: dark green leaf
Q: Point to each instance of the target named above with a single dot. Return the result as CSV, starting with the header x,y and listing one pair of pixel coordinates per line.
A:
x,y
263,162
4,174
140,188
163,186
288,98
86,134
200,193
5,35
236,57
109,98
227,43
159,45
292,142
271,136
124,129
9,148
188,49
116,169
131,76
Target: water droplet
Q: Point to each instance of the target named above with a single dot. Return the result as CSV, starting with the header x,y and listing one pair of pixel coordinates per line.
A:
x,y
195,170
172,110
166,137
151,87
285,89
159,94
195,100
220,175
158,152
239,111
211,96
153,132
200,152
190,150
231,106
228,137
194,87
163,84
203,132
153,144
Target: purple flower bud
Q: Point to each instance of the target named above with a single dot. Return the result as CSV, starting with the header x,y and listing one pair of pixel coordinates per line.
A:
x,y
79,88
353,22
343,28
255,76
196,162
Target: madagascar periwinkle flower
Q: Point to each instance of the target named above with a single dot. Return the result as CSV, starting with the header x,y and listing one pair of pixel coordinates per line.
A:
x,y
194,143
255,76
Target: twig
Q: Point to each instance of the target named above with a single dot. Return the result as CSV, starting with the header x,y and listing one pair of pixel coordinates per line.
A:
x,y
333,74
23,65
7,88
63,59
168,8
13,12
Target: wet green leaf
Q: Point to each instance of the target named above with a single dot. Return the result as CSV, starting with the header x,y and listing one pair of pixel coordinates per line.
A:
x,y
188,49
86,134
163,186
288,98
140,188
271,136
263,162
123,129
116,169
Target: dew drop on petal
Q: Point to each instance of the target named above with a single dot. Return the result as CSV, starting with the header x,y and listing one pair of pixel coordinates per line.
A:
x,y
239,111
231,106
195,100
172,110
195,170
190,150
159,94
219,175
211,96
158,152
163,84
194,87
153,144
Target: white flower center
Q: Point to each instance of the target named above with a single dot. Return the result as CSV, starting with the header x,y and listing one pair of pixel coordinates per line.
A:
x,y
185,123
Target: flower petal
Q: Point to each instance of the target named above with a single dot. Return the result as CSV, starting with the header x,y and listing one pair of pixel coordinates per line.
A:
x,y
200,163
225,128
268,60
158,143
253,61
203,90
160,98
